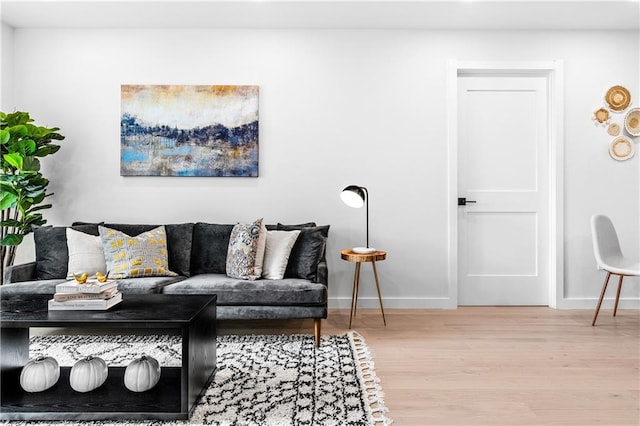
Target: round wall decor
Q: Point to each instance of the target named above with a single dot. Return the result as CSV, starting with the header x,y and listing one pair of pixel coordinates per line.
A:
x,y
601,116
613,129
618,98
632,122
621,148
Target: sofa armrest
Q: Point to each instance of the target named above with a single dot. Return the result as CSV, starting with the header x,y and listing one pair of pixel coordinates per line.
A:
x,y
19,273
322,273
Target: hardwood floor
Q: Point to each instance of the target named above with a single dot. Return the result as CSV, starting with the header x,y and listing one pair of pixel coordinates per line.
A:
x,y
495,365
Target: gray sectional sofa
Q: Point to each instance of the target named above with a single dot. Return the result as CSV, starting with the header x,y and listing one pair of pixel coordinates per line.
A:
x,y
197,253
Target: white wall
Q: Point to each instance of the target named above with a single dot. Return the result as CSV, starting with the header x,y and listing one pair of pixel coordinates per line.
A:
x,y
6,67
337,107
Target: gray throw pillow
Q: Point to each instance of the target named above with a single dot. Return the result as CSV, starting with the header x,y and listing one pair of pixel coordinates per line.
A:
x,y
210,246
52,253
307,252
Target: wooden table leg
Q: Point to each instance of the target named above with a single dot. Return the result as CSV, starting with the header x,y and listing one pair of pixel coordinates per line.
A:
x,y
354,296
375,274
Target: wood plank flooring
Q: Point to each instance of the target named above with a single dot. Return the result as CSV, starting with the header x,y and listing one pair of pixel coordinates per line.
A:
x,y
495,365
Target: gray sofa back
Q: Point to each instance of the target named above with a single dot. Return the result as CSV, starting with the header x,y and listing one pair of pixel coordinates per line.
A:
x,y
193,249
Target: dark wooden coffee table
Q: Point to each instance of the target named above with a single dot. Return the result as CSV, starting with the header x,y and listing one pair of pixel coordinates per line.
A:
x,y
174,397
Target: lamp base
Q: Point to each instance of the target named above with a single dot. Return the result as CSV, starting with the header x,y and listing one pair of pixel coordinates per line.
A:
x,y
363,250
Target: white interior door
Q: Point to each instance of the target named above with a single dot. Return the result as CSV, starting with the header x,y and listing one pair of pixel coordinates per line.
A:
x,y
503,239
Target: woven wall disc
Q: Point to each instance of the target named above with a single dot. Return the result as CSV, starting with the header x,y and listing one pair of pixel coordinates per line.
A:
x,y
613,129
632,122
618,98
601,116
621,148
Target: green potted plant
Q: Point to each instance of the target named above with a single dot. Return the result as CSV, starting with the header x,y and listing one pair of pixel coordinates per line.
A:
x,y
23,187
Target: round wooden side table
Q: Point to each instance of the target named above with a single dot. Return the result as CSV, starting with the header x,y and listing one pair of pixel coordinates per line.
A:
x,y
358,258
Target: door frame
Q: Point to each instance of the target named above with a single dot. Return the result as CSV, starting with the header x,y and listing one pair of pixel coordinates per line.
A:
x,y
554,73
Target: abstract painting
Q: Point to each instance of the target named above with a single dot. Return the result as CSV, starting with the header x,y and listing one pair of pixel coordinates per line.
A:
x,y
189,130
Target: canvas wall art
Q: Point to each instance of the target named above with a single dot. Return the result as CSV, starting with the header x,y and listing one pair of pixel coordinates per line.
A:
x,y
189,130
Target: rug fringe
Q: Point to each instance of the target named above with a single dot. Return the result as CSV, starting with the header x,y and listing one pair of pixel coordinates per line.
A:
x,y
377,410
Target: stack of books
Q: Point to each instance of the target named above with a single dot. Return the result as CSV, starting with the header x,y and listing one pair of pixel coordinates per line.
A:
x,y
90,296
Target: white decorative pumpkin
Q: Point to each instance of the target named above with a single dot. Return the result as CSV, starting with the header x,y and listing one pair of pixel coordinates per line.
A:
x,y
88,374
39,374
142,374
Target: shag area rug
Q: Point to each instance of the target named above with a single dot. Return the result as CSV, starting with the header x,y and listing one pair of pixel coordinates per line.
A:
x,y
260,380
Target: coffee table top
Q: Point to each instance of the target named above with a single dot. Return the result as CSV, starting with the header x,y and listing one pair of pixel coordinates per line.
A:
x,y
135,311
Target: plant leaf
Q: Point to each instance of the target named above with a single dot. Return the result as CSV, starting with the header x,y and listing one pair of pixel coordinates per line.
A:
x,y
12,222
31,164
30,146
8,200
12,240
40,207
19,130
14,159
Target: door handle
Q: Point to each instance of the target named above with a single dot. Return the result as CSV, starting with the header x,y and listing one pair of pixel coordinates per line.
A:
x,y
463,201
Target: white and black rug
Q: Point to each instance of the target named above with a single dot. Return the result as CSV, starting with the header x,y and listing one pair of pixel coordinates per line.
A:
x,y
260,380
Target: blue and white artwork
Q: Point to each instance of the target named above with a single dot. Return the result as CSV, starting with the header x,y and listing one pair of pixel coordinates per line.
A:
x,y
180,130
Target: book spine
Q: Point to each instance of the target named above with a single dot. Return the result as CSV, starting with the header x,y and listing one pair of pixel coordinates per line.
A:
x,y
84,289
91,303
62,297
81,308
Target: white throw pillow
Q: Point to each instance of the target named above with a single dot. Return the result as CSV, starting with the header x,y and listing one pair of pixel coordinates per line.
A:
x,y
276,254
85,254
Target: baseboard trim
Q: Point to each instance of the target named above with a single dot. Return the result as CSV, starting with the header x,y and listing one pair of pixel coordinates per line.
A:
x,y
445,303
591,302
392,302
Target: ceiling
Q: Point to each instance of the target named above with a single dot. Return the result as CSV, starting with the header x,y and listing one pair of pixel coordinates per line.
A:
x,y
320,14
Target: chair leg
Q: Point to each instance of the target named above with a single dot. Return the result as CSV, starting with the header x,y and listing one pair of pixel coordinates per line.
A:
x,y
604,289
317,326
615,307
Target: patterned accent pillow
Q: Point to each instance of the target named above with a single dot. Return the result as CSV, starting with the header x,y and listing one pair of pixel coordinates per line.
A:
x,y
144,255
243,251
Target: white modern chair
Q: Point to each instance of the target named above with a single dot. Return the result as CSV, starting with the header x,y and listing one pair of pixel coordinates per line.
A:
x,y
609,257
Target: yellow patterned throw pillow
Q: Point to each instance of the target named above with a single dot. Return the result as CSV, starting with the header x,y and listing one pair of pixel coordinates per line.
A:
x,y
144,255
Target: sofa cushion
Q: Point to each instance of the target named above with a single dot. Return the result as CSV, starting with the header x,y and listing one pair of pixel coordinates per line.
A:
x,y
144,255
244,259
52,255
31,287
209,249
145,285
307,252
85,254
231,291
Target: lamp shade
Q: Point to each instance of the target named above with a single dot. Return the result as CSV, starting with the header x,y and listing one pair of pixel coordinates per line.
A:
x,y
353,196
